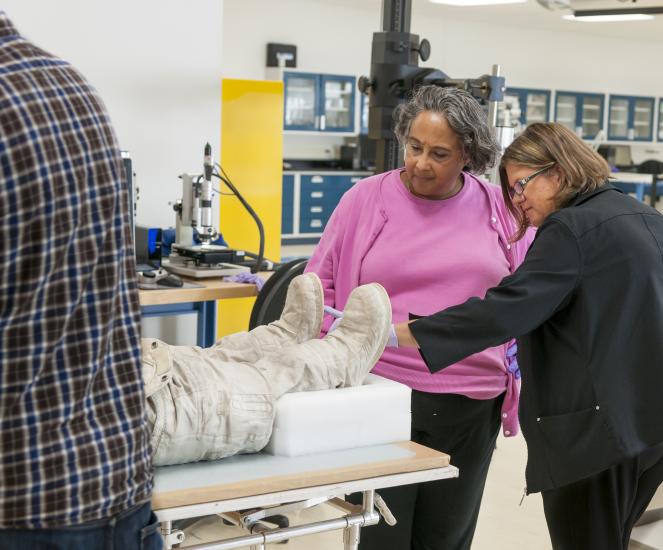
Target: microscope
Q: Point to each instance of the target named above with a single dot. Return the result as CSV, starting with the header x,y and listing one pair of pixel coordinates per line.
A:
x,y
194,223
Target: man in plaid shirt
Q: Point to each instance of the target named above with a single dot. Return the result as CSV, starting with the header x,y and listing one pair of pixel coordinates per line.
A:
x,y
75,470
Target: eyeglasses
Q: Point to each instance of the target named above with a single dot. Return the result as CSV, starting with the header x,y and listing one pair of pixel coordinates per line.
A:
x,y
519,185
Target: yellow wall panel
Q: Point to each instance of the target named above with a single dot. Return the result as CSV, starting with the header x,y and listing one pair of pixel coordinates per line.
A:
x,y
252,156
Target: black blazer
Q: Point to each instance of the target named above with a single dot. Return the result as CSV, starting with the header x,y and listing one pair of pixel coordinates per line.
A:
x,y
586,307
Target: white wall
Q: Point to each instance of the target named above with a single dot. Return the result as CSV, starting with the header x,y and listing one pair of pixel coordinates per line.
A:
x,y
157,65
330,38
545,59
335,37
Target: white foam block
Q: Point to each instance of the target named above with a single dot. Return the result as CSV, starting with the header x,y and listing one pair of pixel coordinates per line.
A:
x,y
313,422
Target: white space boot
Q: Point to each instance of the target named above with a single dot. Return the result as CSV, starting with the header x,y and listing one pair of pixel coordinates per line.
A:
x,y
344,357
301,320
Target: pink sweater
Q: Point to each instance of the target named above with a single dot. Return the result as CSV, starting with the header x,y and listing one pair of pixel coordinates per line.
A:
x,y
428,255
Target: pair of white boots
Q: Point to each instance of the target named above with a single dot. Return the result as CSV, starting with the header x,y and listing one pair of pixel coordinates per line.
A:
x,y
207,403
345,356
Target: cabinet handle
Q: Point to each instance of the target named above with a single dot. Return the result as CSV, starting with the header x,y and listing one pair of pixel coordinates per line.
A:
x,y
316,209
316,223
317,194
317,179
323,121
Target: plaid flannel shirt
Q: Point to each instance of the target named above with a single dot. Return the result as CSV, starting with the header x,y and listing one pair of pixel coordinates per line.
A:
x,y
73,438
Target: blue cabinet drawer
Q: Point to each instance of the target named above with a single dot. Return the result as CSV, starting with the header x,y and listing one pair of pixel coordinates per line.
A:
x,y
319,197
312,224
288,205
345,185
320,180
316,194
324,189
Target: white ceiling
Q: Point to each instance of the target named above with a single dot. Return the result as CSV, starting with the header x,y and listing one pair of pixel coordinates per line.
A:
x,y
529,15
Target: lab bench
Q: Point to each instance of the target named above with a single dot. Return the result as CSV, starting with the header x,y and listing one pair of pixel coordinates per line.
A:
x,y
200,299
638,184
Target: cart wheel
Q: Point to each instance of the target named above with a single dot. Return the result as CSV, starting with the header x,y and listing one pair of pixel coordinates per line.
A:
x,y
281,521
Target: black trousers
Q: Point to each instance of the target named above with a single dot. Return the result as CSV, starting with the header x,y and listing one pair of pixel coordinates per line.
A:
x,y
441,515
598,513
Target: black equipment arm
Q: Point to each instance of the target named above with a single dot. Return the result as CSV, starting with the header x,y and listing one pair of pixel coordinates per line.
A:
x,y
395,72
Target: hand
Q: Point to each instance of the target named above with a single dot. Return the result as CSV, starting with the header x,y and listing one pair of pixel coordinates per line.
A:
x,y
392,342
393,339
512,360
334,313
404,335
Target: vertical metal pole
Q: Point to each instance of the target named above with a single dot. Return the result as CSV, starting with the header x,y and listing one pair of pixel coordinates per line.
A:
x,y
503,134
388,155
368,502
166,529
504,137
396,15
391,52
351,537
492,105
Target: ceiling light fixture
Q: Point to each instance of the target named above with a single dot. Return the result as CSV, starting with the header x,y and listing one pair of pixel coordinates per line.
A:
x,y
463,3
608,18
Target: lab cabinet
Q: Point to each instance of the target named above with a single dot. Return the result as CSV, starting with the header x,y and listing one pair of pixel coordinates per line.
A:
x,y
309,200
660,119
318,102
580,112
534,104
631,118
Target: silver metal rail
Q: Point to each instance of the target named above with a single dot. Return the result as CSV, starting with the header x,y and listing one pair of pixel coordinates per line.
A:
x,y
351,525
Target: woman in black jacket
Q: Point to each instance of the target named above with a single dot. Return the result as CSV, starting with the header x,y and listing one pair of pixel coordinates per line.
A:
x,y
586,307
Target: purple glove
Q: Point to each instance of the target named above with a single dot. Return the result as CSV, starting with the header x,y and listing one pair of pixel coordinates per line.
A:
x,y
391,343
393,339
246,277
512,360
334,313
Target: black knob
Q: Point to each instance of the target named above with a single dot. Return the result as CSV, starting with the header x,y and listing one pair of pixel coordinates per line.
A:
x,y
424,49
364,84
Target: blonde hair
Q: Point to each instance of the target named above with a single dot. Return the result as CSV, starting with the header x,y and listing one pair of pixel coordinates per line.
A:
x,y
580,168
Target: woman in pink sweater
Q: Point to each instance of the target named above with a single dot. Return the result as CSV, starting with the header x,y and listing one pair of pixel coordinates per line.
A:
x,y
433,235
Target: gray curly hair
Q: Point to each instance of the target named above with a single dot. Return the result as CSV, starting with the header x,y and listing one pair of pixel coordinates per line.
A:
x,y
463,113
